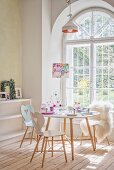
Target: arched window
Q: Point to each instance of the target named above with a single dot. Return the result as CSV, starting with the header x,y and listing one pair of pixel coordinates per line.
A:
x,y
90,54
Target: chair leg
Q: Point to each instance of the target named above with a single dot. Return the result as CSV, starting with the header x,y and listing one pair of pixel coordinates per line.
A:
x,y
48,143
52,146
94,132
32,135
43,145
81,138
107,141
35,149
37,137
64,147
90,134
44,152
23,137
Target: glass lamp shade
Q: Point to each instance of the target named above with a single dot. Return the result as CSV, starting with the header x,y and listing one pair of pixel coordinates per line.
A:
x,y
70,27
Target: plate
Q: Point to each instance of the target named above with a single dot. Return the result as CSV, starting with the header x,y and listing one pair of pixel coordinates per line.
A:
x,y
48,113
71,114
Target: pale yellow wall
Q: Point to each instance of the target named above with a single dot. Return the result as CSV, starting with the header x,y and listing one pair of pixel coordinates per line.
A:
x,y
10,41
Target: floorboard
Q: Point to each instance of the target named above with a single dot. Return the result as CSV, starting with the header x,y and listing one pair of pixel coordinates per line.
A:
x,y
14,158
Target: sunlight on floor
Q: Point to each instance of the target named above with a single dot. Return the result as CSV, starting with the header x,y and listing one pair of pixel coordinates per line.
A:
x,y
97,157
91,167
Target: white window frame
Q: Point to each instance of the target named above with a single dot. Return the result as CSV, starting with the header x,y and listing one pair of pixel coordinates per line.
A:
x,y
91,41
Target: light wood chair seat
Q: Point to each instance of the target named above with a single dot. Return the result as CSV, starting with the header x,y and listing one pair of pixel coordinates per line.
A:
x,y
94,122
28,123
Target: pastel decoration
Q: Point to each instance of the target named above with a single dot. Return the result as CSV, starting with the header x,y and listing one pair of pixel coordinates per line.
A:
x,y
60,70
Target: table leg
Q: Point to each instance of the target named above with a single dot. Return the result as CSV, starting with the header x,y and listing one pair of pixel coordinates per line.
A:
x,y
64,129
64,125
89,130
48,122
71,136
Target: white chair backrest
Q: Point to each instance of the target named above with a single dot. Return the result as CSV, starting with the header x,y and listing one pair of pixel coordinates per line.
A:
x,y
39,123
25,113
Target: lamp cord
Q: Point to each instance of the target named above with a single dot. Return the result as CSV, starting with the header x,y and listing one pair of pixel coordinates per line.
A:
x,y
69,4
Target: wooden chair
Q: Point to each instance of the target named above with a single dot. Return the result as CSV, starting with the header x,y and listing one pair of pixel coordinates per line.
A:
x,y
46,135
93,124
25,112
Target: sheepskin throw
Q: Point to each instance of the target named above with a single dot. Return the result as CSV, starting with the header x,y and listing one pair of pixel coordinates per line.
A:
x,y
104,120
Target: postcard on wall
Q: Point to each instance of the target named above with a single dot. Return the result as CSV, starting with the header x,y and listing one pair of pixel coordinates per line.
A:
x,y
60,70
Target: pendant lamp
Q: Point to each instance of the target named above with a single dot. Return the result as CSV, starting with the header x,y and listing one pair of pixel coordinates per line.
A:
x,y
70,27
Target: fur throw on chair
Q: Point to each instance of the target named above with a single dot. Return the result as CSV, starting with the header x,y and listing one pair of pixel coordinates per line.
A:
x,y
104,120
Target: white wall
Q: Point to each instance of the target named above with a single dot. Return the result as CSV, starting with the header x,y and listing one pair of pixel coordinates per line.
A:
x,y
32,50
46,36
39,51
51,52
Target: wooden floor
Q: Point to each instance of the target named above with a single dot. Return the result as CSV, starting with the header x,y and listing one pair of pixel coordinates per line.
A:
x,y
14,158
